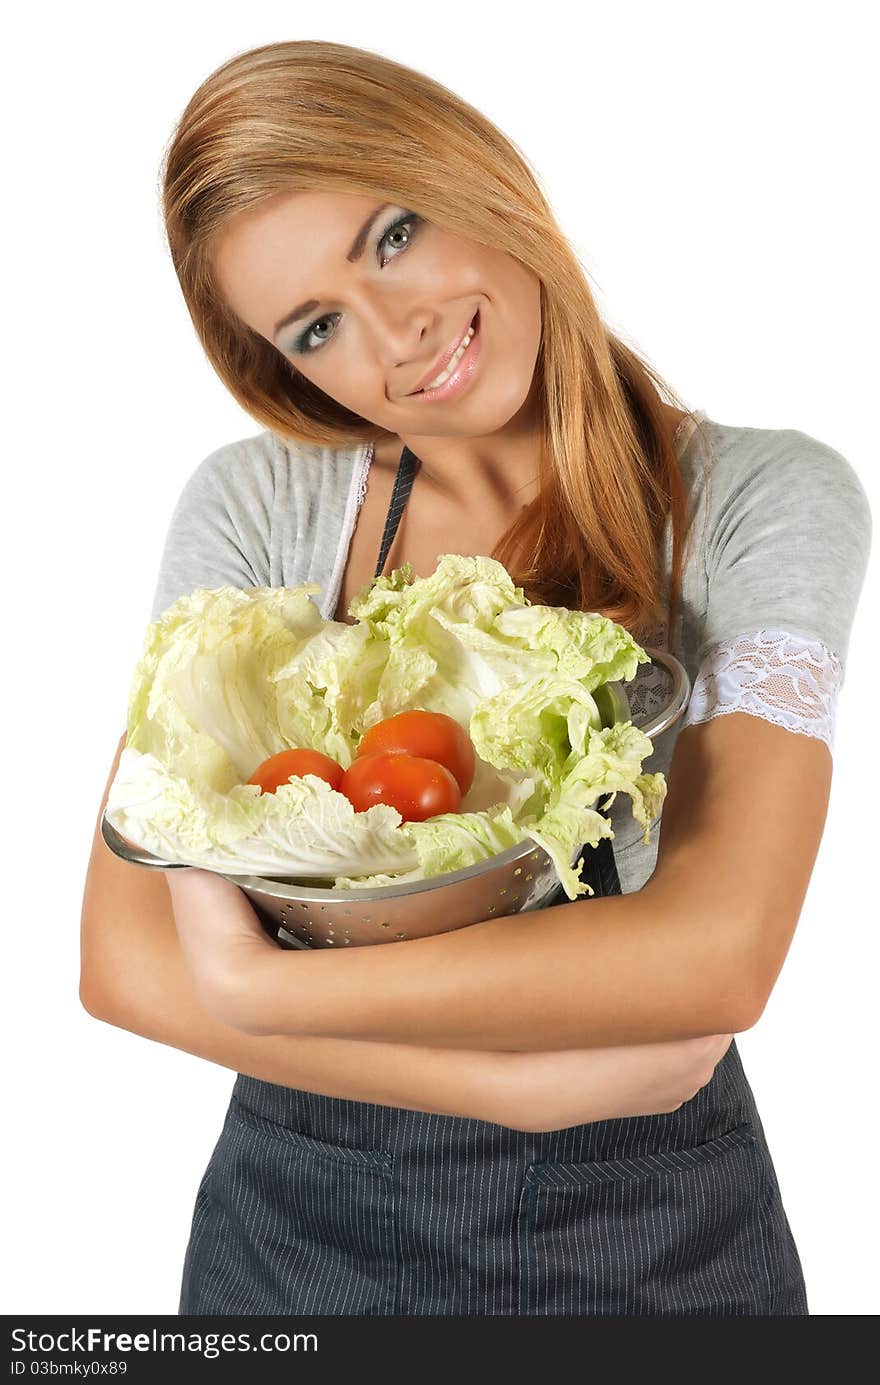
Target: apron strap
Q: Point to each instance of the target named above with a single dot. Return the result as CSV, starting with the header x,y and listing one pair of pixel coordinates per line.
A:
x,y
604,877
599,868
406,471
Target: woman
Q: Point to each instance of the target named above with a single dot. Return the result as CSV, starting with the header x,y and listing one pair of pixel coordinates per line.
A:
x,y
527,1116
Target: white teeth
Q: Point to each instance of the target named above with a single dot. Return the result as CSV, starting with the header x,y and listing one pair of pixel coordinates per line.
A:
x,y
445,374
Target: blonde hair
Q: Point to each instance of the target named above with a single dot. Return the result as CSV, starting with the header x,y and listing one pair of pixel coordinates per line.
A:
x,y
309,115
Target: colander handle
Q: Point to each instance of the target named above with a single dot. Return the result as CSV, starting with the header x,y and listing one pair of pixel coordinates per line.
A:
x,y
678,699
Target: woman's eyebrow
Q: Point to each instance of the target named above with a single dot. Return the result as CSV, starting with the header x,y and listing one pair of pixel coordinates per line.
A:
x,y
357,249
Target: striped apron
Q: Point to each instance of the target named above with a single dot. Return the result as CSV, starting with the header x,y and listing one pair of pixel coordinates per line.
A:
x,y
314,1205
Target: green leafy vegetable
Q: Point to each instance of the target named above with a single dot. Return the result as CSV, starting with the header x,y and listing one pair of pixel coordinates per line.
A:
x,y
229,677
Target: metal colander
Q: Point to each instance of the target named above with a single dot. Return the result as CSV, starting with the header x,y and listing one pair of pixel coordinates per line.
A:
x,y
515,881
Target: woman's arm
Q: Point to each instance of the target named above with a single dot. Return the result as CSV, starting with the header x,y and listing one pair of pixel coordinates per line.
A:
x,y
695,952
523,1091
575,1086
440,1081
133,976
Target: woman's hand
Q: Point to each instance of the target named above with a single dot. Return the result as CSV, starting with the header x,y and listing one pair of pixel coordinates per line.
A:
x,y
224,945
555,1090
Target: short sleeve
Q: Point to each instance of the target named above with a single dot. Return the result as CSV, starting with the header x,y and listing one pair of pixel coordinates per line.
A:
x,y
788,538
219,534
787,542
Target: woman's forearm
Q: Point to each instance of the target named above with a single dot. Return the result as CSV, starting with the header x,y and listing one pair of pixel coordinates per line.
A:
x,y
524,1091
577,1086
146,989
593,973
149,992
133,976
440,1081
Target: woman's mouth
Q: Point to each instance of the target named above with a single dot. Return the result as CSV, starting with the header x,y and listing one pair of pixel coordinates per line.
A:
x,y
460,370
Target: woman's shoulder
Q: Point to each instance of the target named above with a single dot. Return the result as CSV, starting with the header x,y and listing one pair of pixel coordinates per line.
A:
x,y
786,536
772,459
744,473
263,482
236,520
254,463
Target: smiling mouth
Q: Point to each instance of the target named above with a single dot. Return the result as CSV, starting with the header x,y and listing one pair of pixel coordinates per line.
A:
x,y
450,370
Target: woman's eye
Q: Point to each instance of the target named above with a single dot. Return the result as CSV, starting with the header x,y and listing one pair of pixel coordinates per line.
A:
x,y
303,346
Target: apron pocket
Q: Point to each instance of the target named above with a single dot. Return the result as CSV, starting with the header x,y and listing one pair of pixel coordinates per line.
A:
x,y
679,1232
287,1223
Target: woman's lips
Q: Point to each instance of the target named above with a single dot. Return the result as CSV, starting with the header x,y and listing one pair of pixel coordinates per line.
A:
x,y
464,371
442,360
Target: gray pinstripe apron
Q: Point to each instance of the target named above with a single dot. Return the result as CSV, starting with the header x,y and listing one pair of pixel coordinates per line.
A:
x,y
316,1205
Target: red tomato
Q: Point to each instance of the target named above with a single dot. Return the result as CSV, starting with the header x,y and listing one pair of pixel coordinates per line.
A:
x,y
428,735
278,769
416,787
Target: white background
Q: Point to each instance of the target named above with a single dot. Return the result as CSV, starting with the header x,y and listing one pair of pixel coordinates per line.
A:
x,y
711,166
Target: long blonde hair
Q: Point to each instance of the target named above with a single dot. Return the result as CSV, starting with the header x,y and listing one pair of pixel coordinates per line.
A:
x,y
309,115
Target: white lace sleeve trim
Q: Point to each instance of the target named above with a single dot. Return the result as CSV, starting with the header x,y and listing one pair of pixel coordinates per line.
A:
x,y
784,678
364,478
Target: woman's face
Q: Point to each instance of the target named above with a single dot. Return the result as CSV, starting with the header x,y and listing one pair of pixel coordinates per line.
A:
x,y
378,295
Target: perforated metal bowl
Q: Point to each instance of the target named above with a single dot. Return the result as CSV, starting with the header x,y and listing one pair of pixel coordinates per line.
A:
x,y
515,881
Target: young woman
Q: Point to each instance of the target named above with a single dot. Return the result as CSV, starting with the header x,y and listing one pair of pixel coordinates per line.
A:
x,y
542,1114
